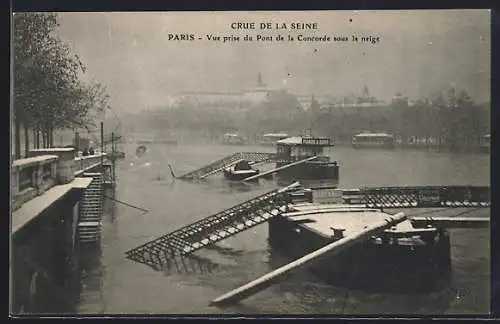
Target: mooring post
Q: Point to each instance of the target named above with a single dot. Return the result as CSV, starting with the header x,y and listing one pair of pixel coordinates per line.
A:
x,y
113,158
77,143
102,145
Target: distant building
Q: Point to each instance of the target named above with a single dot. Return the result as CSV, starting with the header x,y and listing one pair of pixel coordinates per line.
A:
x,y
259,93
255,95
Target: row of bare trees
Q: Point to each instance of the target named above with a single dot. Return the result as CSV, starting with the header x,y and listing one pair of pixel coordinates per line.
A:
x,y
48,91
450,119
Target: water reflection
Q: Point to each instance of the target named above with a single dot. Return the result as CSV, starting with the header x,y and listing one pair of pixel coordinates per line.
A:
x,y
170,263
91,275
189,265
313,292
91,270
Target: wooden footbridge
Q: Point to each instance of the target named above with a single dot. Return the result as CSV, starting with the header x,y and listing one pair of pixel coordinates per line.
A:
x,y
262,208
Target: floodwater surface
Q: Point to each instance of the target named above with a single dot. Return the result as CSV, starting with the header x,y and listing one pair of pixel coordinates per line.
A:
x,y
112,284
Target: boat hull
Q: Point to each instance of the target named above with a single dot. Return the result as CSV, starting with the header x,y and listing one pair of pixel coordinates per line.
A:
x,y
310,171
380,267
235,176
386,146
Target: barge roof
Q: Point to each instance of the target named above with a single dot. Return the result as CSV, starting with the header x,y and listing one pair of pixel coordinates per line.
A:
x,y
322,218
305,140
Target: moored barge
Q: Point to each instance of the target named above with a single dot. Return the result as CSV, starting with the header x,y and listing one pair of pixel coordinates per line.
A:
x,y
403,258
373,140
239,171
233,139
315,172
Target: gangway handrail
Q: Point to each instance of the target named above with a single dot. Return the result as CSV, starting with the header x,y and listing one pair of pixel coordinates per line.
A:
x,y
426,196
210,222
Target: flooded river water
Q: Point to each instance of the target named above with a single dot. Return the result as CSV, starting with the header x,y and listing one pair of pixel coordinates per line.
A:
x,y
112,284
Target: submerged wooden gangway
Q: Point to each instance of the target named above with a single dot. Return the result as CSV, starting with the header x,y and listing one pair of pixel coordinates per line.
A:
x,y
214,228
219,165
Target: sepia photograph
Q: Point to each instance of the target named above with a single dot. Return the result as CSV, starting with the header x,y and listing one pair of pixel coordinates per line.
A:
x,y
240,163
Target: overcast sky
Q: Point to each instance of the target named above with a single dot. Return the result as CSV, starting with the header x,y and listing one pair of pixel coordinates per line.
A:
x,y
418,52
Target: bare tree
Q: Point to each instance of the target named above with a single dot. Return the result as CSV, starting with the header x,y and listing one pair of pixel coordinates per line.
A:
x,y
48,92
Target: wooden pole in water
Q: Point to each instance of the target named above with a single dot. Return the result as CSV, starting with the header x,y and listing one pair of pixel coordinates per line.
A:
x,y
307,260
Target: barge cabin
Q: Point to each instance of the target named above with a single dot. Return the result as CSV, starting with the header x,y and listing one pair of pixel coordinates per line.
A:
x,y
294,149
373,140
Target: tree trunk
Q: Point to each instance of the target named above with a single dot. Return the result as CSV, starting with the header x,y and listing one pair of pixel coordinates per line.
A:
x,y
37,136
34,137
44,138
17,144
51,136
47,138
26,140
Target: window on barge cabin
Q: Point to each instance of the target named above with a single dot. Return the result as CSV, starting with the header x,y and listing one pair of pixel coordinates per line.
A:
x,y
302,152
284,152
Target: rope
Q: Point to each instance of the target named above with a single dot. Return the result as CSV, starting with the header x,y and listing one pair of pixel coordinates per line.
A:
x,y
128,205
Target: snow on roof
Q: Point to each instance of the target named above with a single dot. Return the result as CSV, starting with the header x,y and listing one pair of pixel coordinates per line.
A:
x,y
276,135
373,135
294,140
310,141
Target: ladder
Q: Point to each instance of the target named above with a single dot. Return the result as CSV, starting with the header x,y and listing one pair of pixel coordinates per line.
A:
x,y
90,213
219,165
214,228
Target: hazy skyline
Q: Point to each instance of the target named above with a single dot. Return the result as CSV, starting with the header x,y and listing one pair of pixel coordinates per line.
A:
x,y
419,52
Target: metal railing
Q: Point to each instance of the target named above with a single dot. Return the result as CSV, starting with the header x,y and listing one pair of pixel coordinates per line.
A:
x,y
84,163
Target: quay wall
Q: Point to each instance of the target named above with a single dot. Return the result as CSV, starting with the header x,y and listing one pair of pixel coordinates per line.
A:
x,y
44,269
43,260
